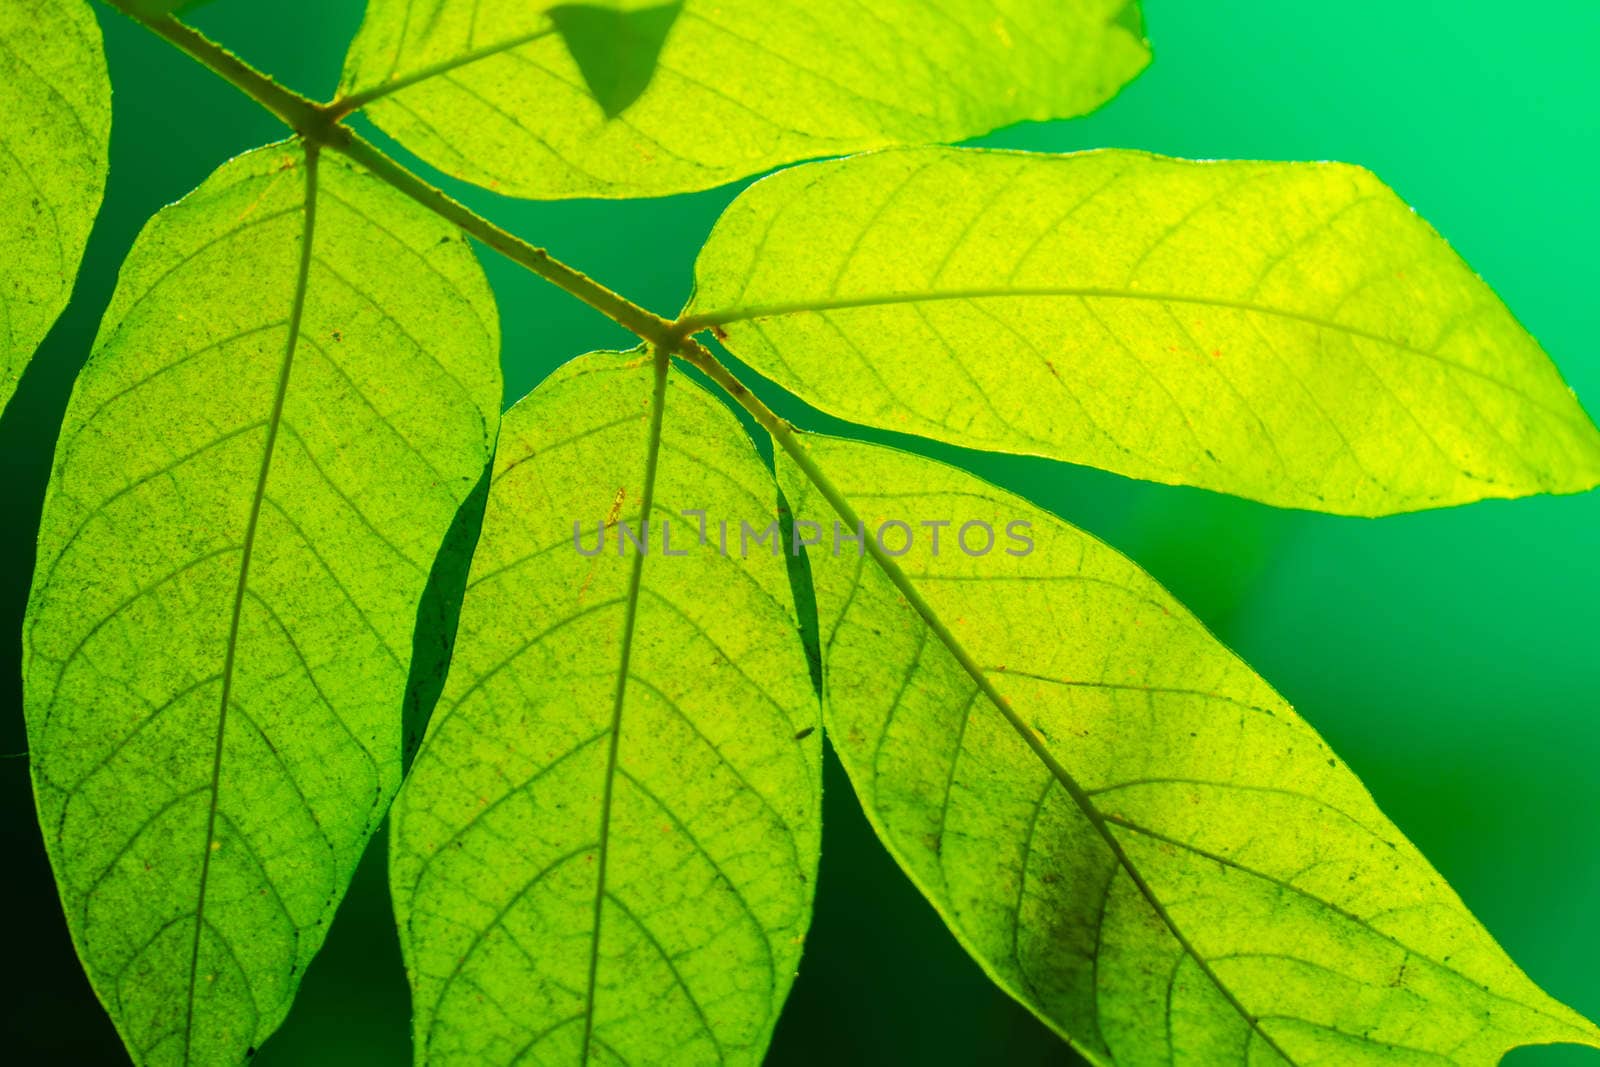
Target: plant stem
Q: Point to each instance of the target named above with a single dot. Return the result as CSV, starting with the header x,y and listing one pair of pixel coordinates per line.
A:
x,y
299,113
319,124
619,309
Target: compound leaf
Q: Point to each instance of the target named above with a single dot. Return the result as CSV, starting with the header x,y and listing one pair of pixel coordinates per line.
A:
x,y
493,94
1291,333
295,387
1132,833
55,101
606,848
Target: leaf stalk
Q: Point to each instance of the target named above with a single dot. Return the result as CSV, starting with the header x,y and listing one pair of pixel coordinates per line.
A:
x,y
300,113
321,124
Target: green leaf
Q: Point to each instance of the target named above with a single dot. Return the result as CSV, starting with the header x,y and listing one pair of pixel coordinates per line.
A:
x,y
607,846
740,86
1291,333
294,389
55,127
1132,833
616,48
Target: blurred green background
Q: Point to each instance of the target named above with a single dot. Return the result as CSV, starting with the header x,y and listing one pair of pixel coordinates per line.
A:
x,y
1452,658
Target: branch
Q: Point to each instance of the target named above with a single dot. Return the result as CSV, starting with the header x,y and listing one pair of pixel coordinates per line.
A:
x,y
638,321
319,124
301,114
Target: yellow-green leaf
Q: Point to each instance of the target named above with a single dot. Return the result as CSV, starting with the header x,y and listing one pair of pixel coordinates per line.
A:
x,y
294,388
55,125
492,94
1289,332
1133,834
606,849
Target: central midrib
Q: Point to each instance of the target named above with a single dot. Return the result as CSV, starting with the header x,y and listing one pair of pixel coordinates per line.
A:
x,y
630,614
274,421
721,317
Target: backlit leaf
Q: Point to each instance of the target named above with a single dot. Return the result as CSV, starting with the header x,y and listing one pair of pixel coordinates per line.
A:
x,y
55,125
606,848
1289,332
294,388
1133,834
492,94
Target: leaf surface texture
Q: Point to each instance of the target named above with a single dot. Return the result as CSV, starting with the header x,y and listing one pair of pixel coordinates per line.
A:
x,y
1288,332
295,386
1132,833
489,92
56,100
606,849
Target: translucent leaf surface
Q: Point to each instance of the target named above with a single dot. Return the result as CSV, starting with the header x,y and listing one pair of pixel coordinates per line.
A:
x,y
606,849
1132,833
491,93
1289,332
294,388
55,125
